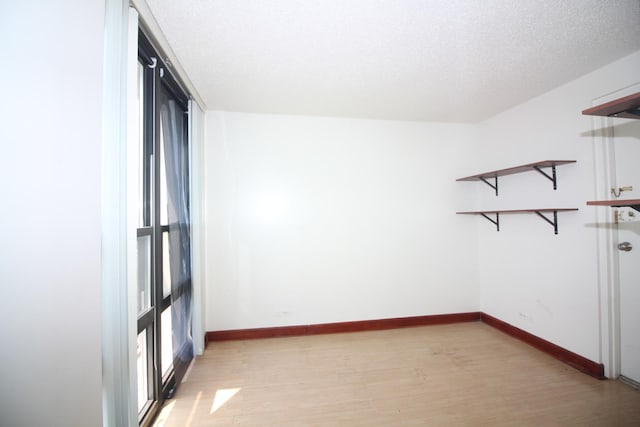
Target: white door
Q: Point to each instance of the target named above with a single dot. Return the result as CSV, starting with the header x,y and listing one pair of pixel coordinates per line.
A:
x,y
626,137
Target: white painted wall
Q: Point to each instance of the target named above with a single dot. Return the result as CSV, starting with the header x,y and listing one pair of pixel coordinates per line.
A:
x,y
198,274
51,71
314,220
531,278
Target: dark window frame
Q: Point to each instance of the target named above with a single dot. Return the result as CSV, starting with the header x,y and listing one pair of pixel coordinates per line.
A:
x,y
158,76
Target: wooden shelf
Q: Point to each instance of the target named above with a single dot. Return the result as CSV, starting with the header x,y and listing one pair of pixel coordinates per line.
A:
x,y
632,203
539,212
537,166
627,107
518,211
517,169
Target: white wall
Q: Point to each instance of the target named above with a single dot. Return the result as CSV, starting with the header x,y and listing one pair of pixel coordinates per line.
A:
x,y
50,366
198,260
313,220
531,278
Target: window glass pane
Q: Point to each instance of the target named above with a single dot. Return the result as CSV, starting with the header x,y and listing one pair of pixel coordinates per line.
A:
x,y
167,344
164,201
143,370
166,266
144,273
143,162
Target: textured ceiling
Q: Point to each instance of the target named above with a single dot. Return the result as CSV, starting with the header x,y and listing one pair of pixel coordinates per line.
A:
x,y
433,60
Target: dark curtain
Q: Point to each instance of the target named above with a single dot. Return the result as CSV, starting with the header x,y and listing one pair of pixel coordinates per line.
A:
x,y
176,152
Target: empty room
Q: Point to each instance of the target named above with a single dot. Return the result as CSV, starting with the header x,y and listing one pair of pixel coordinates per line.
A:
x,y
320,213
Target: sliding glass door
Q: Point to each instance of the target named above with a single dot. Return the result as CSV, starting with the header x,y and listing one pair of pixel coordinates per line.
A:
x,y
165,346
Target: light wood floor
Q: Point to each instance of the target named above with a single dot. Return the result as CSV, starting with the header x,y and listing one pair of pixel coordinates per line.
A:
x,y
466,374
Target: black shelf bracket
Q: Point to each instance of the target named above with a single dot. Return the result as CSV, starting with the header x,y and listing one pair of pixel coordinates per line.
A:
x,y
494,186
624,205
496,221
554,223
551,177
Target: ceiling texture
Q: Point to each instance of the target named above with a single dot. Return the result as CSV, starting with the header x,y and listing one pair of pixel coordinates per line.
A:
x,y
427,60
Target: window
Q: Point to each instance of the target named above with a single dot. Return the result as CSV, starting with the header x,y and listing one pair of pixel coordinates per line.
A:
x,y
164,345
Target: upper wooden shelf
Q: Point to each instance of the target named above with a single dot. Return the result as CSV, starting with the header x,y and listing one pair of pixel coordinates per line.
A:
x,y
627,107
518,169
632,203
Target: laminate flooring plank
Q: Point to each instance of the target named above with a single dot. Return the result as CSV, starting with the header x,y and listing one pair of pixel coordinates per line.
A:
x,y
465,374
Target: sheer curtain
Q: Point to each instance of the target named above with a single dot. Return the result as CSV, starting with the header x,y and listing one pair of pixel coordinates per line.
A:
x,y
176,153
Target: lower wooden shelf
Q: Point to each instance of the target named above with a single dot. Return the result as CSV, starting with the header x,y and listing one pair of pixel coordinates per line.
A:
x,y
539,212
632,203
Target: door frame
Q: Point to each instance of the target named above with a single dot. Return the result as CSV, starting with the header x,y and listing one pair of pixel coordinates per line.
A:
x,y
607,235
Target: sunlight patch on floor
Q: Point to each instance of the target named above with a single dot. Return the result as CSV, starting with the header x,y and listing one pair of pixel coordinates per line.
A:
x,y
222,396
164,414
193,409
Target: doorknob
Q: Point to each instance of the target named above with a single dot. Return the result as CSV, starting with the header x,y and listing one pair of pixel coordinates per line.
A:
x,y
625,246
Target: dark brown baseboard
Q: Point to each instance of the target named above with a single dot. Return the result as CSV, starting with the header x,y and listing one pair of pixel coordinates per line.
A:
x,y
250,334
575,360
583,364
341,327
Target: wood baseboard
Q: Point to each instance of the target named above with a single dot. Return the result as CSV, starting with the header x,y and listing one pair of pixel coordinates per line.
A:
x,y
583,364
341,327
256,333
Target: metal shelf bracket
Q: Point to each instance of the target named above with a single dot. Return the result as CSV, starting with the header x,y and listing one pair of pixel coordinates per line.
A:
x,y
494,186
496,221
551,177
554,223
